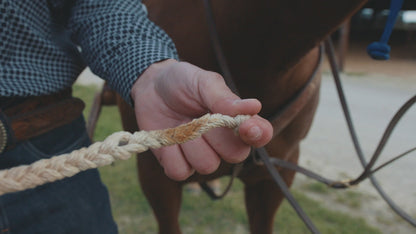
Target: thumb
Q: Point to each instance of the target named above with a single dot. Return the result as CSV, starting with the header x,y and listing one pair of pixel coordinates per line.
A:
x,y
218,98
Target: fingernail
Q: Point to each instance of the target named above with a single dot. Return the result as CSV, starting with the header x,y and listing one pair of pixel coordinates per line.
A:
x,y
238,101
254,133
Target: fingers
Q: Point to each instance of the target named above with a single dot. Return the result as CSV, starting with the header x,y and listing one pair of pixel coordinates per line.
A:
x,y
180,161
201,156
256,131
172,160
204,154
218,98
227,145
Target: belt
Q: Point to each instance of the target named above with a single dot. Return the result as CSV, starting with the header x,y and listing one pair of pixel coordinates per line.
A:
x,y
24,118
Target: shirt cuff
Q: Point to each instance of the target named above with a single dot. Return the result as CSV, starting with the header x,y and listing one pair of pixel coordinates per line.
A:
x,y
128,65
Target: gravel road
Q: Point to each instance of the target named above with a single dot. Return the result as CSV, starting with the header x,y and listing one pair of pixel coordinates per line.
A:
x,y
374,94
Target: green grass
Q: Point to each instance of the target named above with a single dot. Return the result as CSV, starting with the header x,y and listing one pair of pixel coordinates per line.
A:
x,y
361,74
199,214
318,187
350,198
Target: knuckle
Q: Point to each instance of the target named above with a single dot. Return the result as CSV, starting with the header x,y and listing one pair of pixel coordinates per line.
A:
x,y
238,155
216,76
208,77
178,174
208,168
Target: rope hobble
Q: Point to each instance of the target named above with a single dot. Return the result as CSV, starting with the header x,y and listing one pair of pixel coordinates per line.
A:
x,y
120,145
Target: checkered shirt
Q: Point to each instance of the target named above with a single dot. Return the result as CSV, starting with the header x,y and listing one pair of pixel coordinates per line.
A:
x,y
45,44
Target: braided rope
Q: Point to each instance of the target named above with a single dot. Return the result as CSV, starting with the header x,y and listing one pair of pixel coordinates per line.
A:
x,y
119,145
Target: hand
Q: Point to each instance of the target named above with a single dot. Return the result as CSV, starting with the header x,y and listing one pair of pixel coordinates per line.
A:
x,y
170,93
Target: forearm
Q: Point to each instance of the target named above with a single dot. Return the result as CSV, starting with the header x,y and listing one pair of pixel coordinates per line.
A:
x,y
118,41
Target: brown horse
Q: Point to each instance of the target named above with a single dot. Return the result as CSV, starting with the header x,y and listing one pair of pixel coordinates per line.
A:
x,y
272,48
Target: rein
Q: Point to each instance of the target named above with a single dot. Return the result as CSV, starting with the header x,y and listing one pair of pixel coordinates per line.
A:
x,y
287,113
368,171
261,152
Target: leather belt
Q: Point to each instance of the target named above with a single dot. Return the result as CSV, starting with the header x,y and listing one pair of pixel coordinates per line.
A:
x,y
3,137
24,118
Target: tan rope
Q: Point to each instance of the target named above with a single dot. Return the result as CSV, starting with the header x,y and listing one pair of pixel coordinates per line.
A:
x,y
119,145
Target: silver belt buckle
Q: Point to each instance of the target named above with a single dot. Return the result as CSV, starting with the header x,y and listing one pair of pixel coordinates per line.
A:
x,y
3,137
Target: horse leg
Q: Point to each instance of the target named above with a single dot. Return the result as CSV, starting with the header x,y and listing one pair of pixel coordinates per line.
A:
x,y
163,194
263,198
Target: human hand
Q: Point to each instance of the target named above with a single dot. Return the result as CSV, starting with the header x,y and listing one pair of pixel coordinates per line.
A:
x,y
170,93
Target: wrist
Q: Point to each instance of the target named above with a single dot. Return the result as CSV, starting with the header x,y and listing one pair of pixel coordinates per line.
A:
x,y
152,72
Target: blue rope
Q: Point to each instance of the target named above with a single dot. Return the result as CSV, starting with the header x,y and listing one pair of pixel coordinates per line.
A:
x,y
380,50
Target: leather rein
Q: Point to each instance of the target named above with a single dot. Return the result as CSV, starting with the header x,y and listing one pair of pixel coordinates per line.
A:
x,y
286,114
301,97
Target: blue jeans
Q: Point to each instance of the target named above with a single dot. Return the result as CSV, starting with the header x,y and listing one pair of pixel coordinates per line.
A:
x,y
79,204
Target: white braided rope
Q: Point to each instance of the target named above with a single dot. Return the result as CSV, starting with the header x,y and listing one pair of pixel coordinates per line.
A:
x,y
119,145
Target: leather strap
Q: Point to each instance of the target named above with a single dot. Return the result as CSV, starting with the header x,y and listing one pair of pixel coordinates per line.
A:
x,y
42,120
25,118
261,151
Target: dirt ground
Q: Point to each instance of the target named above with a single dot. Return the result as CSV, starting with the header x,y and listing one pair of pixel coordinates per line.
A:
x,y
329,152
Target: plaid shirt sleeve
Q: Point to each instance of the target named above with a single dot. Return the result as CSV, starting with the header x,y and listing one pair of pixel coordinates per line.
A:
x,y
118,41
40,42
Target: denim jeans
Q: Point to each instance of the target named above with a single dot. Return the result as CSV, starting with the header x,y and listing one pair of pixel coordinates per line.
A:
x,y
79,204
